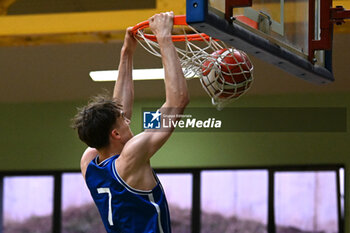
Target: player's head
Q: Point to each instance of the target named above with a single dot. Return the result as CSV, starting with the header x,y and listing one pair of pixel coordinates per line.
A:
x,y
102,122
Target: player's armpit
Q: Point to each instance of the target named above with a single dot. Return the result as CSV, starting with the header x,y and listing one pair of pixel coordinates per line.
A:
x,y
137,150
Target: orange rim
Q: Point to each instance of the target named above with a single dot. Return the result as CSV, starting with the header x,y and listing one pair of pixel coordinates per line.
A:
x,y
178,20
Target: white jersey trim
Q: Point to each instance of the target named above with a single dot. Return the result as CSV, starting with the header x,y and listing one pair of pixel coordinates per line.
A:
x,y
151,199
126,186
167,209
102,163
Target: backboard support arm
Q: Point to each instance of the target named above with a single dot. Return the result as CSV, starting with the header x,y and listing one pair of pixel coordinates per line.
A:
x,y
230,4
328,17
339,14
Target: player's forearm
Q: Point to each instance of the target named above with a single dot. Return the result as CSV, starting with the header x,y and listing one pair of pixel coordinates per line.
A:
x,y
124,86
175,82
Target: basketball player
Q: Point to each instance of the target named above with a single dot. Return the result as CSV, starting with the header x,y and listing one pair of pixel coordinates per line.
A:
x,y
116,166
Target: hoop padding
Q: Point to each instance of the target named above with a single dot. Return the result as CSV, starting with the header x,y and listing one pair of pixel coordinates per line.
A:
x,y
224,75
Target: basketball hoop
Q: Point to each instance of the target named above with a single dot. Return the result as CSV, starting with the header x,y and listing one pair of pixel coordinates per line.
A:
x,y
224,75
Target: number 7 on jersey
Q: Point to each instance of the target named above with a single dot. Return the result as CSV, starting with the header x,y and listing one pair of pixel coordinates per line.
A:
x,y
108,191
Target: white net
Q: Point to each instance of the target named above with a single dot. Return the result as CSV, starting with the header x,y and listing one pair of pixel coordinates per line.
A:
x,y
225,73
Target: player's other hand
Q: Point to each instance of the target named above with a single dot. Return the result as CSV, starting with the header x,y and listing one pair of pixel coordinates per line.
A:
x,y
162,24
129,41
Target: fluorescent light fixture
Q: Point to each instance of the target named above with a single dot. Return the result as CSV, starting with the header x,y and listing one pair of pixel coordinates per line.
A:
x,y
138,74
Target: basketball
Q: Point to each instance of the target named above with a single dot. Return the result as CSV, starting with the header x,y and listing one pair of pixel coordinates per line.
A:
x,y
227,73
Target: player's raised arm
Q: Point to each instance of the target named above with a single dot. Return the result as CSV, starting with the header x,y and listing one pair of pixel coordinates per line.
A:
x,y
124,86
144,145
175,83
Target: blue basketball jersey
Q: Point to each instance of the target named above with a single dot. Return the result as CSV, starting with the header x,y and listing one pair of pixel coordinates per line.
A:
x,y
124,209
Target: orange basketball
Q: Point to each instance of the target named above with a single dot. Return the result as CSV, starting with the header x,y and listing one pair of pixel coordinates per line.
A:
x,y
227,73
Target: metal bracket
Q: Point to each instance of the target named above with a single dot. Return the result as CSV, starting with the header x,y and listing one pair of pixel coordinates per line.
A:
x,y
264,22
328,17
339,14
230,4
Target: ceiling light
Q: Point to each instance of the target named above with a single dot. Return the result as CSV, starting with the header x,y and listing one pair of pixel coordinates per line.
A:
x,y
138,74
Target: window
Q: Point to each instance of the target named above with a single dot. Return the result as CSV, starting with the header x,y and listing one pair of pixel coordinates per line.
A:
x,y
341,192
178,190
234,199
306,201
79,213
28,204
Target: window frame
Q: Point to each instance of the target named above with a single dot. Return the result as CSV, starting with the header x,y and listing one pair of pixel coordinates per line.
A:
x,y
196,187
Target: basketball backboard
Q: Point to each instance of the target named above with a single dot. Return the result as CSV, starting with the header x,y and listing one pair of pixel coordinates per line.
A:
x,y
290,34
